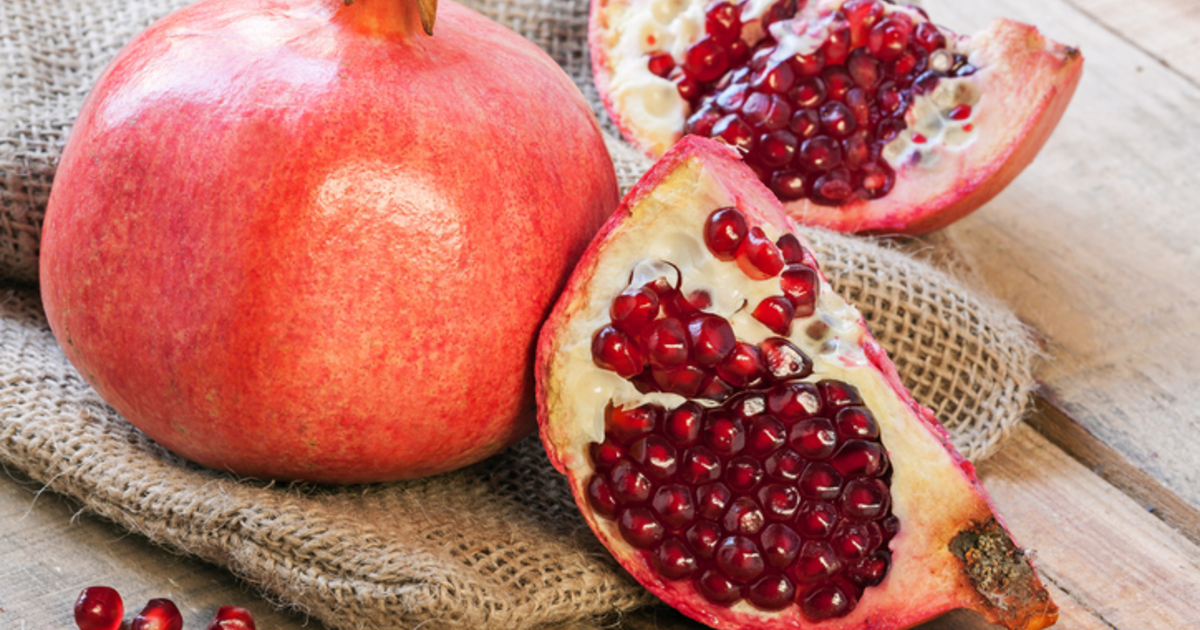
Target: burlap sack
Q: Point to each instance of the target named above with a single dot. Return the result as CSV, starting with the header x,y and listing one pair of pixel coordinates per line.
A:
x,y
497,545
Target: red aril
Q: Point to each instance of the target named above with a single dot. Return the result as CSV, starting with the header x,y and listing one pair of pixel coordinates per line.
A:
x,y
810,487
895,124
99,608
232,618
301,239
159,614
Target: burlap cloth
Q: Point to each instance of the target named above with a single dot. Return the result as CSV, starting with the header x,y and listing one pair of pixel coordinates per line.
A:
x,y
497,545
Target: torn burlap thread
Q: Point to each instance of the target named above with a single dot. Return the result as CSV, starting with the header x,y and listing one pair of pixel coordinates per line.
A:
x,y
496,545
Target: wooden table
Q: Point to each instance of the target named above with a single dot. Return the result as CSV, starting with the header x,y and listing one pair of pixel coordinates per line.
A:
x,y
1096,245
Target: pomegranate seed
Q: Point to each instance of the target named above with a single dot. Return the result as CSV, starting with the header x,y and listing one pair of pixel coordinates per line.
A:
x,y
805,124
666,343
724,434
836,394
862,15
817,561
859,105
735,132
837,120
706,60
732,98
743,473
682,424
775,313
792,402
779,502
821,153
718,588
856,149
814,438
629,484
724,231
699,466
777,79
740,558
688,87
639,528
758,257
784,360
744,516
837,46
656,456
743,367
633,310
674,506
825,602
711,338
738,52
865,499
766,435
869,571
601,498
837,82
788,185
833,188
918,138
712,500
722,22
858,458
801,285
821,482
780,545
701,122
616,351
767,112
790,248
853,541
661,64
673,559
607,454
629,425
231,618
816,519
99,608
159,614
808,66
772,592
703,538
888,129
687,380
785,465
960,112
856,423
889,37
864,69
929,36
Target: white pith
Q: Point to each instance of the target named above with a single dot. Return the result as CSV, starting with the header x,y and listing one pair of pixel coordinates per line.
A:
x,y
932,496
652,110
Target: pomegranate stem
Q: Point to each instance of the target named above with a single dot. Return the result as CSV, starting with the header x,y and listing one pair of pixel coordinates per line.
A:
x,y
390,17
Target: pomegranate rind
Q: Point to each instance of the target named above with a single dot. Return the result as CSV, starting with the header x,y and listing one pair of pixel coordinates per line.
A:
x,y
950,539
1026,80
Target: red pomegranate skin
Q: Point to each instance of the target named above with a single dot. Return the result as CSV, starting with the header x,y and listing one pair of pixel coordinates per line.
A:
x,y
302,240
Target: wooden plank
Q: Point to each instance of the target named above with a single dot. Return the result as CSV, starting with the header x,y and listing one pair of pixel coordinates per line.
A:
x,y
1168,30
1097,244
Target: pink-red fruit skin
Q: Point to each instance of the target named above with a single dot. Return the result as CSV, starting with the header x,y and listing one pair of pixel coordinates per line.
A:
x,y
99,608
300,239
777,544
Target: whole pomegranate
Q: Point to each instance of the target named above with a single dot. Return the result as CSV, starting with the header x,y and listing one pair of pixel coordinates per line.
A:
x,y
302,239
860,115
743,446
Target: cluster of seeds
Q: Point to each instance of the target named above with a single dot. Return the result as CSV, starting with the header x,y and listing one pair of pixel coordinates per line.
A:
x,y
101,608
812,125
767,487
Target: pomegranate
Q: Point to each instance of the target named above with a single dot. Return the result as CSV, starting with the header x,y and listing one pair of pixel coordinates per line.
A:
x,y
232,618
301,239
738,440
860,115
159,614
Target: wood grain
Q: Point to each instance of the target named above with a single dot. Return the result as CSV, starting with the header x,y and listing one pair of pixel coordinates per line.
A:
x,y
1097,243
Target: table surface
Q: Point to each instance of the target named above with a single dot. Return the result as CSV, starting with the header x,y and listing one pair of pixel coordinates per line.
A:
x,y
1096,246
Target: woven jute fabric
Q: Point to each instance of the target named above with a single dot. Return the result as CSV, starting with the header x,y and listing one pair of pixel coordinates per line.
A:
x,y
496,545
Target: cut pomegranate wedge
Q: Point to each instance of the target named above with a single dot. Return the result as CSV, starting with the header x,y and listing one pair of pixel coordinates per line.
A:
x,y
739,441
860,115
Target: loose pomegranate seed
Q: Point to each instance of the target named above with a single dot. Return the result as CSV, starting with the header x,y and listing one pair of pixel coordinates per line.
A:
x,y
159,614
99,608
232,618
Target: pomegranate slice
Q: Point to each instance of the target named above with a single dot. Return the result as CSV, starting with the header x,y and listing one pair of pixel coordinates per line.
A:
x,y
798,482
860,115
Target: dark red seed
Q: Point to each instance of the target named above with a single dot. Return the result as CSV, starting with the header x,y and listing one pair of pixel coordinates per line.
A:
x,y
801,285
661,64
682,424
712,501
639,528
788,185
785,465
853,541
703,538
601,498
837,120
771,592
627,425
629,484
674,506
605,455
99,608
820,481
689,90
888,128
870,570
913,61
743,367
889,37
766,435
687,380
733,98
159,614
740,558
722,21
816,519
633,310
666,343
744,516
790,248
780,545
928,36
766,112
836,46
926,81
856,422
724,434
864,69
656,456
706,60
715,389
701,122
673,559
747,405
814,438
891,100
717,588
856,149
792,402
758,257
738,52
865,499
232,618
858,458
820,153
862,15
825,602
889,526
724,231
743,473
779,501
833,188
784,361
959,112
776,313
614,350
837,82
808,66
816,562
735,132
711,338
808,94
699,465
776,148
836,394
777,79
